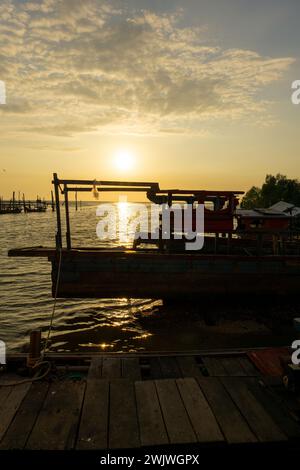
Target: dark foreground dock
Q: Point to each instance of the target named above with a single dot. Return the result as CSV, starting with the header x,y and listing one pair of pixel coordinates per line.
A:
x,y
140,401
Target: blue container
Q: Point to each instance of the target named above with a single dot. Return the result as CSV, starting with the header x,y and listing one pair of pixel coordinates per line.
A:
x,y
296,322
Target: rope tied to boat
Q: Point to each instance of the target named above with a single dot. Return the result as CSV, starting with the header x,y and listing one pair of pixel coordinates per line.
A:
x,y
54,304
32,379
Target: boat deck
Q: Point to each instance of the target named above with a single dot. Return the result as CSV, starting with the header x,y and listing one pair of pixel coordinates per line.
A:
x,y
150,401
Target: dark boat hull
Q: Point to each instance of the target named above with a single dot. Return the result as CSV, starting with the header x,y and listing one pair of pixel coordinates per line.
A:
x,y
131,274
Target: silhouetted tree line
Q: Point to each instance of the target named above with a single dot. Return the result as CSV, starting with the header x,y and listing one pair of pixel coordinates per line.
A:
x,y
275,188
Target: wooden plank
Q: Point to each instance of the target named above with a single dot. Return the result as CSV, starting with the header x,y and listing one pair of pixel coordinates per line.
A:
x,y
151,423
23,422
131,368
93,430
56,425
231,422
248,366
111,367
199,411
188,366
155,369
258,419
177,422
275,408
214,366
4,393
11,399
123,422
95,369
169,367
233,366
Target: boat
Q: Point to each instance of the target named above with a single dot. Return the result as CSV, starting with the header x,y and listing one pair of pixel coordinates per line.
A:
x,y
10,207
10,210
228,264
37,206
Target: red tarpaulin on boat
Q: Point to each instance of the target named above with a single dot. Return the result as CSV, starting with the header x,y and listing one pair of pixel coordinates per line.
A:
x,y
269,361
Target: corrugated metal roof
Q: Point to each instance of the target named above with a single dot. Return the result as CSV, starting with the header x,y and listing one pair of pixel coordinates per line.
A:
x,y
281,209
282,206
260,213
270,211
247,213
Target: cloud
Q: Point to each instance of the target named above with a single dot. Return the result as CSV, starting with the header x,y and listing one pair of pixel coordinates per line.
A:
x,y
91,66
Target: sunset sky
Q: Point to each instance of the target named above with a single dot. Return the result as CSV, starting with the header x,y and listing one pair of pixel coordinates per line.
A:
x,y
193,93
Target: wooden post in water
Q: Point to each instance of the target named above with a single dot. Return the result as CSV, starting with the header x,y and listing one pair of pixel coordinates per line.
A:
x,y
56,190
76,202
34,348
52,202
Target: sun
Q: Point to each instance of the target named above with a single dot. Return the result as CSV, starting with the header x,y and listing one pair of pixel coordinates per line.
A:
x,y
124,160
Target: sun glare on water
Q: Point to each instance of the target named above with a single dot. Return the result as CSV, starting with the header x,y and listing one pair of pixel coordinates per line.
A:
x,y
124,160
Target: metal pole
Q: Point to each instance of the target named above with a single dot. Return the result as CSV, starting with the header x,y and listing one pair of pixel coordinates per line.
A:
x,y
68,232
58,219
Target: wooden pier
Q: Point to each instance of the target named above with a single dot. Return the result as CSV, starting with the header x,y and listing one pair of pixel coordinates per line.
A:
x,y
148,401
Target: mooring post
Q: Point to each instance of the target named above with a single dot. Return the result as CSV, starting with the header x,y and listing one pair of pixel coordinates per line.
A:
x,y
34,348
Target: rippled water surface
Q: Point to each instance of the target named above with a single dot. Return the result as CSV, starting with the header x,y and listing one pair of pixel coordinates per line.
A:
x,y
98,324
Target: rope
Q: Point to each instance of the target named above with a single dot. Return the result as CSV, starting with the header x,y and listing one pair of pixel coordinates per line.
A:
x,y
41,362
33,379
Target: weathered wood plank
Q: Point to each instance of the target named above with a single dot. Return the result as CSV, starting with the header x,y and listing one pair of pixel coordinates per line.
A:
x,y
93,430
95,369
233,366
259,420
56,425
169,367
232,423
214,366
199,411
4,393
131,368
123,422
177,422
151,423
23,422
111,367
275,408
11,399
188,366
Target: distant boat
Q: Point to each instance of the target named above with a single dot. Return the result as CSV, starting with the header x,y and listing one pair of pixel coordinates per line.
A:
x,y
10,207
35,209
37,206
11,210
